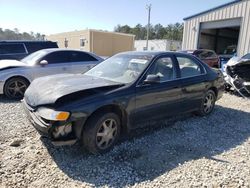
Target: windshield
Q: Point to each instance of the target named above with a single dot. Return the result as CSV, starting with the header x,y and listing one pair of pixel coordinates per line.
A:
x,y
231,50
32,58
121,68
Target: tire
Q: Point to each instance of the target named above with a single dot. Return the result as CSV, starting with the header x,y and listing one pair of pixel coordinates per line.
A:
x,y
94,138
14,88
208,103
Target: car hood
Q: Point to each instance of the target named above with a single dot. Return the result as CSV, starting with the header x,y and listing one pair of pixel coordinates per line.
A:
x,y
6,64
49,89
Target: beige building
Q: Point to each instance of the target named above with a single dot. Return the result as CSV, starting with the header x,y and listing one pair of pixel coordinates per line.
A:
x,y
220,28
101,43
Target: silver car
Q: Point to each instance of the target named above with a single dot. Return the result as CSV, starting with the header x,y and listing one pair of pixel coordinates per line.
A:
x,y
15,76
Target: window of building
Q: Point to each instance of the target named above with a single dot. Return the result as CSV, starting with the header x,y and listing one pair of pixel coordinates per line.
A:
x,y
82,42
66,43
144,48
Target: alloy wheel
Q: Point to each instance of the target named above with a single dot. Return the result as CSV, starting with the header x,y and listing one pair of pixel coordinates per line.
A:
x,y
16,88
209,103
106,134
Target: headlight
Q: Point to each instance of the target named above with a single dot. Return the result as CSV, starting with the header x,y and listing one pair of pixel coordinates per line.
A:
x,y
53,115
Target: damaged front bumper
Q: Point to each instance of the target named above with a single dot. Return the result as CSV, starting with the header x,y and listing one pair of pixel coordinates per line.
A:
x,y
61,133
239,85
237,76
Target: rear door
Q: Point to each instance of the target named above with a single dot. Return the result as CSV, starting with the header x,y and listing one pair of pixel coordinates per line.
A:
x,y
159,99
81,62
193,82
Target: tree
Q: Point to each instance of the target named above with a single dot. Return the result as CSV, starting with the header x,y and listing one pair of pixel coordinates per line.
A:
x,y
158,31
15,34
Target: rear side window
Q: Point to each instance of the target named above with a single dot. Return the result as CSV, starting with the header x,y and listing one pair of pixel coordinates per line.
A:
x,y
81,56
188,67
57,57
12,49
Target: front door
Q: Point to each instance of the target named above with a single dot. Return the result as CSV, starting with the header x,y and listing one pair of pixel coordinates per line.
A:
x,y
58,63
161,99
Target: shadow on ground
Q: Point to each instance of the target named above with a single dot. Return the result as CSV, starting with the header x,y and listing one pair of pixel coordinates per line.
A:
x,y
149,153
4,99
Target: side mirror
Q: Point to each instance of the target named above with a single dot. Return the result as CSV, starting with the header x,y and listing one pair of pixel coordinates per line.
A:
x,y
43,62
152,79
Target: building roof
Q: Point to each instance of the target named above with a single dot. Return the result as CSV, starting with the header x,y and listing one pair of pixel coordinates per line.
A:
x,y
92,30
212,9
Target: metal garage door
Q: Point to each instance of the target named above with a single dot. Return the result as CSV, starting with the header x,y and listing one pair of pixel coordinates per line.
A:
x,y
221,24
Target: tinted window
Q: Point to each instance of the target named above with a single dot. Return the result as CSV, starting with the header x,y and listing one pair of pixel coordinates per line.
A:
x,y
188,67
12,49
57,57
81,56
35,46
164,68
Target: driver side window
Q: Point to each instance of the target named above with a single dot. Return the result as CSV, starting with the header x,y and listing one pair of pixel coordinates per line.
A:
x,y
164,68
57,57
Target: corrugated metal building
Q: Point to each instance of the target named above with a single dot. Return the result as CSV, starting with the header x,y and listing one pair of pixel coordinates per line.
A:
x,y
220,28
102,43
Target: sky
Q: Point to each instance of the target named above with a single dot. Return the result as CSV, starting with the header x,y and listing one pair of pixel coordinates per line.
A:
x,y
55,16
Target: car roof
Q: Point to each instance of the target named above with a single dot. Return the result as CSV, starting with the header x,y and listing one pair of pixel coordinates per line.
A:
x,y
197,50
25,41
152,53
48,50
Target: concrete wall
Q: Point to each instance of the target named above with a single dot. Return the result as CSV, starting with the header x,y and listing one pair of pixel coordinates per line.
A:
x,y
100,42
158,45
240,9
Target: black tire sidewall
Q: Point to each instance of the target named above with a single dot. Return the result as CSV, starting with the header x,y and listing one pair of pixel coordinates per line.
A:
x,y
201,111
91,128
6,85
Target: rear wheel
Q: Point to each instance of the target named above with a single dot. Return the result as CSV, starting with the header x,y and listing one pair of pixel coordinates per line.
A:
x,y
208,103
101,132
15,87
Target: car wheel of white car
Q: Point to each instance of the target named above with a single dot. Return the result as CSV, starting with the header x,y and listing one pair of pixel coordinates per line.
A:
x,y
15,87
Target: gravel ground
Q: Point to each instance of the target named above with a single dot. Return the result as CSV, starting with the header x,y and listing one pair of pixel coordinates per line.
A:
x,y
185,151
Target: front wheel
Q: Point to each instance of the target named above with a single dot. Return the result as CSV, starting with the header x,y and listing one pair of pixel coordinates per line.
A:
x,y
101,132
208,103
15,87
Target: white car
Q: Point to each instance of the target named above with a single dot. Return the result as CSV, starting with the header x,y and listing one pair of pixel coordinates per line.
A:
x,y
15,76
